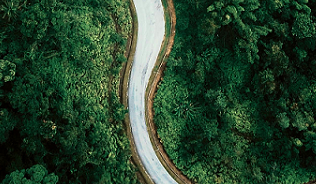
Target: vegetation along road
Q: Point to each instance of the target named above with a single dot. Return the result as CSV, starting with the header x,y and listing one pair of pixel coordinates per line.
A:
x,y
151,30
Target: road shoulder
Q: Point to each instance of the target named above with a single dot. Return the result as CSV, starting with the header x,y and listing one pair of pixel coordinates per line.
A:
x,y
156,77
142,175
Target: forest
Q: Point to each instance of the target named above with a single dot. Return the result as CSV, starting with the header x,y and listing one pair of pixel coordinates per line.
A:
x,y
60,113
237,102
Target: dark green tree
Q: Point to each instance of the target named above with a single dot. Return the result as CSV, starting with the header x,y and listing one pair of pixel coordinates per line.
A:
x,y
35,174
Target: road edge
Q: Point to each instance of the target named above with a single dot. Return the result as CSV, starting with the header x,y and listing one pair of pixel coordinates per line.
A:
x,y
155,78
142,175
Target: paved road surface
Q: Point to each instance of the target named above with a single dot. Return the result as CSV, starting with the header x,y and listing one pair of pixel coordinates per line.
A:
x,y
151,29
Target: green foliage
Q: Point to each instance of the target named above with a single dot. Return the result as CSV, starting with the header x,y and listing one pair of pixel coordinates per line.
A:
x,y
9,8
303,26
59,63
7,123
35,174
247,66
7,71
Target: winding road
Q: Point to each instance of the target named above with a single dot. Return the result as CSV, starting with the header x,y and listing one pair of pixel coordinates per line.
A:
x,y
151,30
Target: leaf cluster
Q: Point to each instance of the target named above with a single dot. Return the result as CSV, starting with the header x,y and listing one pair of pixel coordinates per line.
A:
x,y
59,108
245,66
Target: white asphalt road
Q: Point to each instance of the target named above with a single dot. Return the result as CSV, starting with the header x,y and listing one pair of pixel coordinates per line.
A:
x,y
151,30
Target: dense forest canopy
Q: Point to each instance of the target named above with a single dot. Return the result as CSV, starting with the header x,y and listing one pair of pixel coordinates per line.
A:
x,y
60,116
237,103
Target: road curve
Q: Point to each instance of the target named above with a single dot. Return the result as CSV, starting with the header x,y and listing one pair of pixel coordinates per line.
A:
x,y
151,30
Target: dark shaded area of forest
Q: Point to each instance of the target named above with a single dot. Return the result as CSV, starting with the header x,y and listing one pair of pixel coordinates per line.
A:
x,y
237,103
60,116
